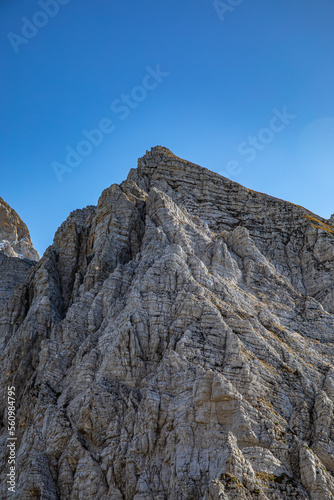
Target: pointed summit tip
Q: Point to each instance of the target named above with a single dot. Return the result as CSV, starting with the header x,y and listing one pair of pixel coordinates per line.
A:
x,y
160,150
156,155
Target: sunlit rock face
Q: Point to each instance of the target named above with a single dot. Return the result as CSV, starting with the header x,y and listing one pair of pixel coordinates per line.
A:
x,y
14,235
175,342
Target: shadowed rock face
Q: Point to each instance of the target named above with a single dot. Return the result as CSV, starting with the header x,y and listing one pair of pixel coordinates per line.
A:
x,y
12,272
175,342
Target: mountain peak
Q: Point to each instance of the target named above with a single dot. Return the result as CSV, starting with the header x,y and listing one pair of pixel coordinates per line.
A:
x,y
175,341
161,149
15,238
158,152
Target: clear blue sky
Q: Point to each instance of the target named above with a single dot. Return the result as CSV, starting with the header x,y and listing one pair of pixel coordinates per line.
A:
x,y
228,69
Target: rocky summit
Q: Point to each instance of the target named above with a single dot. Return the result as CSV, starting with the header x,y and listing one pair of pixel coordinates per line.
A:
x,y
176,342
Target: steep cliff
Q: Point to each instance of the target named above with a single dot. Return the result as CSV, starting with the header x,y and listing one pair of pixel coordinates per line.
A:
x,y
17,254
175,342
14,235
12,272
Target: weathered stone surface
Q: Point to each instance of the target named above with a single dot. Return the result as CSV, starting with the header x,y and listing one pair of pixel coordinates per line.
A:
x,y
12,272
14,235
175,342
17,254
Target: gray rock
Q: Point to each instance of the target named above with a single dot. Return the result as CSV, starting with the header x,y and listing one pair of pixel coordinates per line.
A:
x,y
175,342
17,254
14,235
12,272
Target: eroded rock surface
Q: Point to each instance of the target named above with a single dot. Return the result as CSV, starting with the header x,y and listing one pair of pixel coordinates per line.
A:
x,y
15,239
12,272
175,342
17,254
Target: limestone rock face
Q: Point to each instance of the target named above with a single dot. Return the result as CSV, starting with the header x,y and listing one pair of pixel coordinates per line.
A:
x,y
14,235
175,342
12,272
17,254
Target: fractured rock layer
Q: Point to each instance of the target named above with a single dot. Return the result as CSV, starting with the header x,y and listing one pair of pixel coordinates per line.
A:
x,y
14,235
175,342
12,272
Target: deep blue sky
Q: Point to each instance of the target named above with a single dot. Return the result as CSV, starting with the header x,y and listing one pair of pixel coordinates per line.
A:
x,y
227,74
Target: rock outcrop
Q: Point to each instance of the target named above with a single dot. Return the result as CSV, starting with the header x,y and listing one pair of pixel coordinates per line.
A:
x,y
14,235
17,254
12,272
175,342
